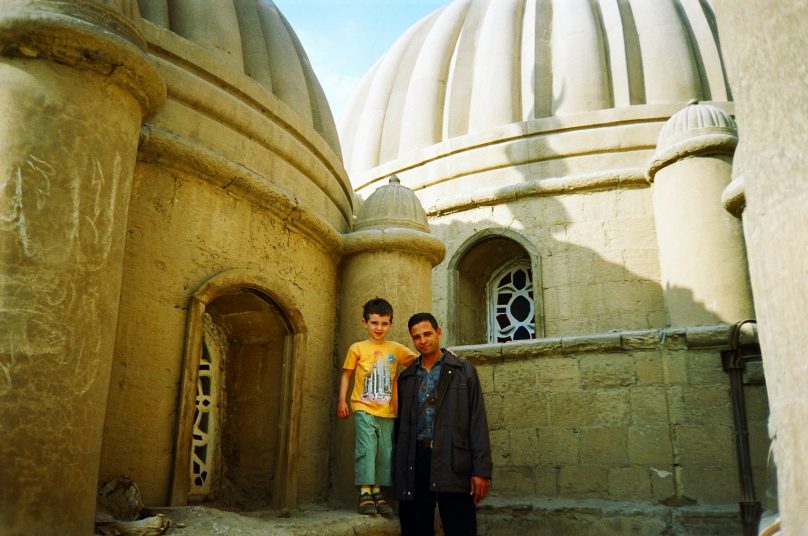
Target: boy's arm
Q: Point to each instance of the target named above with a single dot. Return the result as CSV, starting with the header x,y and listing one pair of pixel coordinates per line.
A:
x,y
342,405
409,358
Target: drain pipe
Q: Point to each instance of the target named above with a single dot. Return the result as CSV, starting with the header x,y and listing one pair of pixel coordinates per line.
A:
x,y
734,362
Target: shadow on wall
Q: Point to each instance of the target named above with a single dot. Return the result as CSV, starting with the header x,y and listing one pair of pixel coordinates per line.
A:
x,y
576,290
653,425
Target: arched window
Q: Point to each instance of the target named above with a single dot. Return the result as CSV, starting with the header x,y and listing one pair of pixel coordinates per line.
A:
x,y
511,307
493,296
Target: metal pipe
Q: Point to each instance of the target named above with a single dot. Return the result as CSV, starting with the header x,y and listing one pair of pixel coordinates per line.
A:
x,y
734,362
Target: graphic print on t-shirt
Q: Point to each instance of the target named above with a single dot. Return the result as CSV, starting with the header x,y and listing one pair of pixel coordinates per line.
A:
x,y
378,386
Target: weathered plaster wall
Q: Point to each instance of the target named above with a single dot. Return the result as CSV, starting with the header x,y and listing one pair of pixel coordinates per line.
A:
x,y
181,232
76,85
63,216
229,178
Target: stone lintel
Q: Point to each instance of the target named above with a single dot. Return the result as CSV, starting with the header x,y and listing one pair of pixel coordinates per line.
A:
x,y
596,342
714,337
717,336
483,353
647,339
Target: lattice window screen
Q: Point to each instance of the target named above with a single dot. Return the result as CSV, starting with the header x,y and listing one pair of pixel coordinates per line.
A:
x,y
511,307
206,412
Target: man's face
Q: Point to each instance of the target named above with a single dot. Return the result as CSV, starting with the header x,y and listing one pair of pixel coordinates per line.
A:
x,y
377,326
425,338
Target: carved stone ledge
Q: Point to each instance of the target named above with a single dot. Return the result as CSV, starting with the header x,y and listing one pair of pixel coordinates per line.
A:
x,y
87,36
713,337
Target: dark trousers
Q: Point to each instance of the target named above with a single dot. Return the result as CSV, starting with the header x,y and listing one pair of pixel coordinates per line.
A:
x,y
458,513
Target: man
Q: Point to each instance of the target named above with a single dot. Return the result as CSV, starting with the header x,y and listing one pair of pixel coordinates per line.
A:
x,y
442,451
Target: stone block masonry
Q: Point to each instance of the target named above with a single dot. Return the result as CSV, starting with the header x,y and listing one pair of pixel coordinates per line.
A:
x,y
640,416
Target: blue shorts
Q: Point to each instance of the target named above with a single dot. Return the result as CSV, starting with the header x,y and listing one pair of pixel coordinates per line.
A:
x,y
374,446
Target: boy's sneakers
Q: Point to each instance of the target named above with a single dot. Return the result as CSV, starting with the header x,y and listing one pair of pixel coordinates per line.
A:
x,y
381,505
366,504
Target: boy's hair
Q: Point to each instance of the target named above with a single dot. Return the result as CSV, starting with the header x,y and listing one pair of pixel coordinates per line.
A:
x,y
377,306
417,318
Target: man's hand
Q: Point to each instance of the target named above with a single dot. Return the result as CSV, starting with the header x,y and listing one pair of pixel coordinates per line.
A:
x,y
342,410
479,488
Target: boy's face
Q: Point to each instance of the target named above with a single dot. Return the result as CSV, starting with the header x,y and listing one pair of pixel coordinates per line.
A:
x,y
377,326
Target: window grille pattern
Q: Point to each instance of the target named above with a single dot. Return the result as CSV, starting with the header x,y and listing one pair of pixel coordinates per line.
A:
x,y
511,305
206,410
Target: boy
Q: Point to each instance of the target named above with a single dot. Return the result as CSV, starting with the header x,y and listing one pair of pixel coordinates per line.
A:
x,y
373,400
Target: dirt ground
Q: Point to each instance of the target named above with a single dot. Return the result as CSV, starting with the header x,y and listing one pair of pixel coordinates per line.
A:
x,y
308,520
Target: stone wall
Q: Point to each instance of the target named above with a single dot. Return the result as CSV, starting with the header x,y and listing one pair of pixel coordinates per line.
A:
x,y
597,257
638,416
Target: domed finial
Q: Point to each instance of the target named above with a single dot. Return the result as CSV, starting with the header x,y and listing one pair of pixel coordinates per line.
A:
x,y
696,129
392,205
691,102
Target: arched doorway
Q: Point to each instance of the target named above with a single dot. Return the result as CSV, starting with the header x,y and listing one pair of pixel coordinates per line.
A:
x,y
235,437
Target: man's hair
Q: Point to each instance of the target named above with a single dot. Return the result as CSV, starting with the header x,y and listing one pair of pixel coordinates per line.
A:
x,y
377,306
417,318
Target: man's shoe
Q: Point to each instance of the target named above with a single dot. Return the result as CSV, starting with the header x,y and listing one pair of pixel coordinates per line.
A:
x,y
367,505
381,505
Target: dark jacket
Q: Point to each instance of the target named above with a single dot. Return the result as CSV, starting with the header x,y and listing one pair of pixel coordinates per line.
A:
x,y
460,445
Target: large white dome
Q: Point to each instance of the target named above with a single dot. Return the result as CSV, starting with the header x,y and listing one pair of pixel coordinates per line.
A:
x,y
478,65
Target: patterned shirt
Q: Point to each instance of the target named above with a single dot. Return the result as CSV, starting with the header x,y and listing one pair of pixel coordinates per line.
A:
x,y
427,399
376,368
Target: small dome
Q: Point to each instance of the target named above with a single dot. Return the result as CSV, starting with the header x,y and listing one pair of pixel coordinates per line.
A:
x,y
695,120
696,129
392,205
253,37
478,65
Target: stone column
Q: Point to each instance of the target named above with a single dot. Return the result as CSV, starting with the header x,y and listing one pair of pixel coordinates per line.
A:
x,y
389,254
76,85
764,48
701,246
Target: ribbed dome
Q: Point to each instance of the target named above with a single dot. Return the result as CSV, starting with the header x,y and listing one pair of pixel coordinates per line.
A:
x,y
695,129
392,205
476,65
695,120
254,37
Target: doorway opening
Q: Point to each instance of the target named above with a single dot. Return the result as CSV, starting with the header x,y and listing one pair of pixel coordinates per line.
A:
x,y
236,433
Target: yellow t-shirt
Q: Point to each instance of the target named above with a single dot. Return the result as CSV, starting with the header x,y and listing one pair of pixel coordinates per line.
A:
x,y
375,369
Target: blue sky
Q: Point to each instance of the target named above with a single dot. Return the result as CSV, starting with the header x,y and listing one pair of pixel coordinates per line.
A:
x,y
344,38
